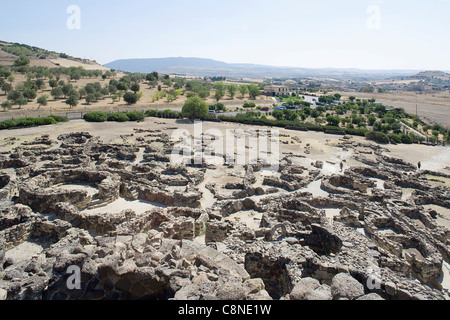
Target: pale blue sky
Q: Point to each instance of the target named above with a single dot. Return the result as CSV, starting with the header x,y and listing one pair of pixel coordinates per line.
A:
x,y
321,33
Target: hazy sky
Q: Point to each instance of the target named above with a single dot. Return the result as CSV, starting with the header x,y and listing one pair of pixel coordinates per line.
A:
x,y
387,34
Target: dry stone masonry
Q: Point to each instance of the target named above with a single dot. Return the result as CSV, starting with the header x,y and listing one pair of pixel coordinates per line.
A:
x,y
138,227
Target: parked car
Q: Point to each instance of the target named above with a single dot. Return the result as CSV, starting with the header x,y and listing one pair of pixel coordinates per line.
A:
x,y
279,108
292,107
265,109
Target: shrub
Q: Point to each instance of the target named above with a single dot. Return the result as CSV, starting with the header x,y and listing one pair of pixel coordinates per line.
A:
x,y
169,114
406,139
30,122
118,117
362,131
416,138
395,137
60,119
135,116
96,116
379,137
44,121
151,113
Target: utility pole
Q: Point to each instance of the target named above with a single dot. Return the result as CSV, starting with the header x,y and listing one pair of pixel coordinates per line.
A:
x,y
416,107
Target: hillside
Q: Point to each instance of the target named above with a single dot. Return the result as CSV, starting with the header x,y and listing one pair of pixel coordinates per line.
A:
x,y
430,75
43,58
208,67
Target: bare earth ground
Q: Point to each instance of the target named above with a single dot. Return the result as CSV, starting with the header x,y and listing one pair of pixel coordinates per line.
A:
x,y
60,107
435,107
305,148
322,146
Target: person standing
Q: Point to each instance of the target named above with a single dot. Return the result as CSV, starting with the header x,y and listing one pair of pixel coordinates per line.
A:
x,y
419,165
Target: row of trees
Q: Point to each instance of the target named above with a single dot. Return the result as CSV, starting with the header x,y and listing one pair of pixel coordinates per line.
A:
x,y
92,92
203,90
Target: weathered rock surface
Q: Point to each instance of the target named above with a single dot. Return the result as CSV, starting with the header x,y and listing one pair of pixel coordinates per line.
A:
x,y
265,237
345,286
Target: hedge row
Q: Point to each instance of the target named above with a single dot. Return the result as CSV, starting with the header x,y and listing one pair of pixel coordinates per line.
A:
x,y
166,114
31,122
97,116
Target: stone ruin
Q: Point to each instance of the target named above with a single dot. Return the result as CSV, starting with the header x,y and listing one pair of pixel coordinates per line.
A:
x,y
262,238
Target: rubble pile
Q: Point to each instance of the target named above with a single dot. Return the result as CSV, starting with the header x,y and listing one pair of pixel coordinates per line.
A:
x,y
136,227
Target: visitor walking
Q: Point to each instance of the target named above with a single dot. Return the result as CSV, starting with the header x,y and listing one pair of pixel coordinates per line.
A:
x,y
419,165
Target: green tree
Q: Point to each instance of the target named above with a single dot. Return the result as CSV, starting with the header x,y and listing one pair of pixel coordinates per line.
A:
x,y
220,89
7,87
114,98
315,113
254,91
22,61
150,77
90,97
232,90
40,84
130,97
195,108
82,93
368,89
290,115
6,105
14,95
243,89
104,92
53,83
75,76
204,94
333,121
29,94
66,89
278,114
57,93
122,86
112,89
42,100
135,87
167,82
248,105
21,102
156,75
72,101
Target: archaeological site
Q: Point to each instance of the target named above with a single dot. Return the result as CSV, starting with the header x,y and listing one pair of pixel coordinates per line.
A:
x,y
104,203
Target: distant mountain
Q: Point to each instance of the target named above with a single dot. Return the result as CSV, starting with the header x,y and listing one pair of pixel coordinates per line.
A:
x,y
209,67
430,75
